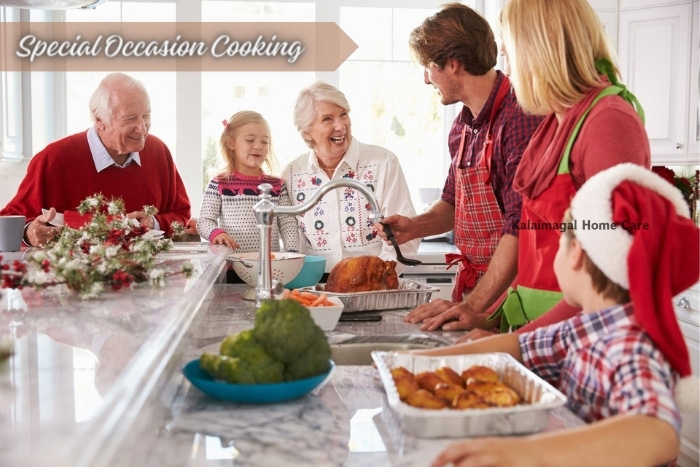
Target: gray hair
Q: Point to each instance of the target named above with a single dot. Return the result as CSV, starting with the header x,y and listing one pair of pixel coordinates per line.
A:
x,y
101,102
305,108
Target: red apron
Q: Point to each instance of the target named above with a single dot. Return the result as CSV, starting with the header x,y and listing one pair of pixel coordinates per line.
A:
x,y
478,218
537,290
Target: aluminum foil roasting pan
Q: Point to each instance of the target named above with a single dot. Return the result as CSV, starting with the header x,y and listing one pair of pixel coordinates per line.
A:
x,y
528,417
409,295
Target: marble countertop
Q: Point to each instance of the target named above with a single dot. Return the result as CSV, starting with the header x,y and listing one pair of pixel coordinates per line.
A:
x,y
345,422
100,383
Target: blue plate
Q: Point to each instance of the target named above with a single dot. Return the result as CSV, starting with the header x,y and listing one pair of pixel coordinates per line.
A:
x,y
252,393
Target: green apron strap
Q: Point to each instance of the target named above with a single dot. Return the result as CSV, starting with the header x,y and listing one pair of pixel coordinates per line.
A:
x,y
604,67
524,305
564,163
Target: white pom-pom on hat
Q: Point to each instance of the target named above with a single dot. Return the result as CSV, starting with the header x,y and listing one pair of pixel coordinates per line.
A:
x,y
607,248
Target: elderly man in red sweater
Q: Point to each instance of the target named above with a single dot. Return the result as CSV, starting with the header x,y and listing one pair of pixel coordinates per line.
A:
x,y
116,157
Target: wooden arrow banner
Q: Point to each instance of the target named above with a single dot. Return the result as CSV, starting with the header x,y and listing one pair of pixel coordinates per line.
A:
x,y
180,46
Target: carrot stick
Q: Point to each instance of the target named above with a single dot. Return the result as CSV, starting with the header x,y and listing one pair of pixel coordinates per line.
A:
x,y
319,301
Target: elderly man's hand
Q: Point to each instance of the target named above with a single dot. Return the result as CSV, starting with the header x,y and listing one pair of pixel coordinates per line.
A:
x,y
191,228
39,232
143,218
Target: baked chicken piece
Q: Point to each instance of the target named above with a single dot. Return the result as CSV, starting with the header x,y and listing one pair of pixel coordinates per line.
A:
x,y
428,380
362,274
449,391
405,386
469,400
426,400
502,396
479,373
448,375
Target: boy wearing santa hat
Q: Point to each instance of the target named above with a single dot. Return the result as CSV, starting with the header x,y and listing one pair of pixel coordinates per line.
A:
x,y
619,361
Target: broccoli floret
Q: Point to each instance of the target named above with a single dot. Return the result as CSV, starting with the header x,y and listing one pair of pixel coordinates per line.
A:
x,y
285,344
242,345
285,328
238,370
313,361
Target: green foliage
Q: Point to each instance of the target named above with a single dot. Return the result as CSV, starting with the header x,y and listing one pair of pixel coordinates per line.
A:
x,y
109,251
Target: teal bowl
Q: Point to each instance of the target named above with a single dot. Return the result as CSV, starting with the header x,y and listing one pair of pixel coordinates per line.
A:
x,y
311,272
253,393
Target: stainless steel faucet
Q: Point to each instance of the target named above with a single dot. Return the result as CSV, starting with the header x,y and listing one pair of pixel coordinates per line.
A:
x,y
265,211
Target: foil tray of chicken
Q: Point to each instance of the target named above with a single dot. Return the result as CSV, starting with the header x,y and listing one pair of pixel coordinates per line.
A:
x,y
466,411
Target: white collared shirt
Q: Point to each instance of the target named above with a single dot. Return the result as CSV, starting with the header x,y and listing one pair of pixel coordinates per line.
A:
x,y
101,156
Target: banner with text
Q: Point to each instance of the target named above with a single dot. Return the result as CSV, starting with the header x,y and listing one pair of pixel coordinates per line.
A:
x,y
181,46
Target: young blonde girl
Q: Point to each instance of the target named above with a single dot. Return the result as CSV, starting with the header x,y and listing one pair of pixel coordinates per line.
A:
x,y
226,216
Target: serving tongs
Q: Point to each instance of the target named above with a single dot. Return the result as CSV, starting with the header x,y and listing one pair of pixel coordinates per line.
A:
x,y
399,257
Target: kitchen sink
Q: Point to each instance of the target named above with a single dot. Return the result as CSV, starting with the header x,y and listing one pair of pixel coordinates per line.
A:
x,y
360,353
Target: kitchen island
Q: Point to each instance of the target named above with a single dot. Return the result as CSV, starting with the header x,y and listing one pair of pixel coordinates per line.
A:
x,y
100,383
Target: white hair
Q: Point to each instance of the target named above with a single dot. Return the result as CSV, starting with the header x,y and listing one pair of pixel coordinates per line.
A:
x,y
101,102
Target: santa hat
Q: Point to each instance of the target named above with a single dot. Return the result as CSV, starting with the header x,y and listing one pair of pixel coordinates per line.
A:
x,y
653,250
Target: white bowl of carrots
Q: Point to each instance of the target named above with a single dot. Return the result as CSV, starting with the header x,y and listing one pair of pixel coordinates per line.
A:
x,y
324,310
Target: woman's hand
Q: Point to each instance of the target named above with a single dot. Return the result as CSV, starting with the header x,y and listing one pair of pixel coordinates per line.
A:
x,y
225,239
447,315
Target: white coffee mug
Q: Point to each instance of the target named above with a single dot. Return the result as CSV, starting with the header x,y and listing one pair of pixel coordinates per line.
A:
x,y
11,232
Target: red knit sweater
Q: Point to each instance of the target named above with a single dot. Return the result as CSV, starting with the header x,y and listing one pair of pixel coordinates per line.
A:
x,y
64,174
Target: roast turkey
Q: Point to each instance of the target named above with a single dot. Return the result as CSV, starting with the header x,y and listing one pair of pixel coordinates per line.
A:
x,y
362,274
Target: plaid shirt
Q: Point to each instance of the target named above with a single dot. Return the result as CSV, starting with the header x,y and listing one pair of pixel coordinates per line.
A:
x,y
605,364
512,130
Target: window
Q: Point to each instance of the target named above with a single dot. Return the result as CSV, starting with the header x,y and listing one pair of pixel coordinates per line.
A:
x,y
11,143
391,106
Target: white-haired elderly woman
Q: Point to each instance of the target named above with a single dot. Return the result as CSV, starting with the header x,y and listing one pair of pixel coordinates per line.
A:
x,y
338,226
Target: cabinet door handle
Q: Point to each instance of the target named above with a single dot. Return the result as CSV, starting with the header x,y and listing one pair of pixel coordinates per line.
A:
x,y
684,303
679,145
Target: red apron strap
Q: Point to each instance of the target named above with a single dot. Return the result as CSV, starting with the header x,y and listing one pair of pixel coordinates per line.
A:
x,y
466,278
503,90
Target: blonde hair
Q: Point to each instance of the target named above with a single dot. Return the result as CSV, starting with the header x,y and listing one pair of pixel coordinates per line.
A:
x,y
305,107
552,46
227,163
601,283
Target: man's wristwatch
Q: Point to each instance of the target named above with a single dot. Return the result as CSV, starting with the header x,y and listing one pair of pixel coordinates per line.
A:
x,y
25,239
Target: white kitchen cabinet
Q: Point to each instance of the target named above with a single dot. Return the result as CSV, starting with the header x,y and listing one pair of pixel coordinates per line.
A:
x,y
608,13
694,107
688,313
656,50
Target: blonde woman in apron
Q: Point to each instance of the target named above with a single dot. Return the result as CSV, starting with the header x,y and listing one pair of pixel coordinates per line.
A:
x,y
561,67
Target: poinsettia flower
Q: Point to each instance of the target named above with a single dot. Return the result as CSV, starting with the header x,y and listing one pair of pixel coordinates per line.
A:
x,y
665,173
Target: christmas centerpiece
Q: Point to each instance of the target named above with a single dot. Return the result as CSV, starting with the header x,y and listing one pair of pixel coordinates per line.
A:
x,y
108,251
688,184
